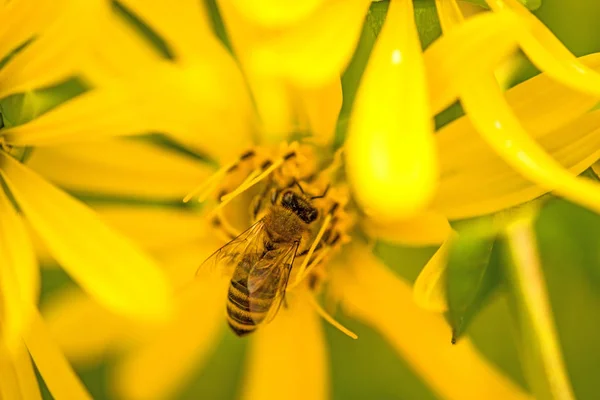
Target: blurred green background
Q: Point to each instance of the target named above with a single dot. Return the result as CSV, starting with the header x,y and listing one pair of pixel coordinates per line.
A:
x,y
569,239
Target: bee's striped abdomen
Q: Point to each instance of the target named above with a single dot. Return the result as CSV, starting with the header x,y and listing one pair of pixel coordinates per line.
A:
x,y
245,313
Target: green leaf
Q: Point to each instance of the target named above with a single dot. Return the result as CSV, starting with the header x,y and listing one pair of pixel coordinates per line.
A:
x,y
530,4
471,278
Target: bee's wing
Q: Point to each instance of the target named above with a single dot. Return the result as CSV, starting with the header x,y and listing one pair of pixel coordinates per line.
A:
x,y
271,275
248,244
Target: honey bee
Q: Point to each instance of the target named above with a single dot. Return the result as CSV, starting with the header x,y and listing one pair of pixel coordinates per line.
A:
x,y
261,258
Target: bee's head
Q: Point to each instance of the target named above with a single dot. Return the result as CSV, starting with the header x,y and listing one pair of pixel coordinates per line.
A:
x,y
299,206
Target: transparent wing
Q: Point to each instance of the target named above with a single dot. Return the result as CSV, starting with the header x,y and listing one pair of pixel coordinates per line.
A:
x,y
269,278
247,246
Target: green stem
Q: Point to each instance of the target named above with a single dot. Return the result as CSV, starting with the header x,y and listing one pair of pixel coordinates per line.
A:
x,y
544,362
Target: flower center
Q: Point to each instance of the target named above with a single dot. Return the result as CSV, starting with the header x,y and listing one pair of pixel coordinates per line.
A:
x,y
295,193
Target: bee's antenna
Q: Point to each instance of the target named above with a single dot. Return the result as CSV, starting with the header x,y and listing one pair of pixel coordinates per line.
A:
x,y
321,195
295,182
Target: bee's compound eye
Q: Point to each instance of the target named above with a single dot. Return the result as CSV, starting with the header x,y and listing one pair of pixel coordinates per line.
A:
x,y
287,200
313,215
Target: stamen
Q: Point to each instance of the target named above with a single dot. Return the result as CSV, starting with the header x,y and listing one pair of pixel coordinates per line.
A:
x,y
206,187
252,179
330,319
302,269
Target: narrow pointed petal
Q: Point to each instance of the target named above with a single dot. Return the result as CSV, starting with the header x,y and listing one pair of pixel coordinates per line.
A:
x,y
183,24
164,363
71,311
449,14
99,259
484,40
25,374
486,107
315,50
293,341
19,275
390,149
429,291
322,106
373,294
209,98
422,230
547,52
22,19
120,167
61,380
74,28
274,13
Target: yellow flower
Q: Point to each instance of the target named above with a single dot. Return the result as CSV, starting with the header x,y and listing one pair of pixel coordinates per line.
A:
x,y
158,361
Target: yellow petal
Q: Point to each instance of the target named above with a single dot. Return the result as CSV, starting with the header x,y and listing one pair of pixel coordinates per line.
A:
x,y
322,106
422,230
449,14
66,40
23,19
547,52
120,167
183,24
429,291
275,13
390,150
162,365
19,275
492,117
210,98
479,43
476,181
373,294
293,342
156,228
70,312
99,259
58,376
17,378
315,50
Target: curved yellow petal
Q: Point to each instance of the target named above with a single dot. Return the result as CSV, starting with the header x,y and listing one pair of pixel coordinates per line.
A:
x,y
429,291
477,181
99,259
160,366
19,274
288,356
71,312
422,230
61,380
547,52
183,24
391,158
315,50
373,294
120,167
275,13
481,42
492,117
